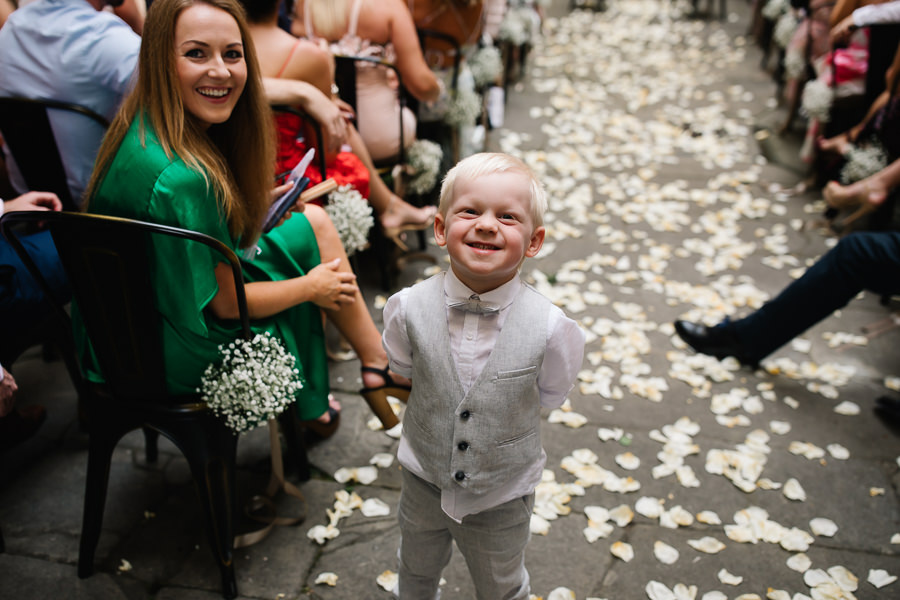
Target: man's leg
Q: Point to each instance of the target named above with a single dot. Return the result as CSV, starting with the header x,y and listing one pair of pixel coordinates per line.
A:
x,y
860,261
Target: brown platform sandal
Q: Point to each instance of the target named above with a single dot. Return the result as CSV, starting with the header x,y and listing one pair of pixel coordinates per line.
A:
x,y
376,397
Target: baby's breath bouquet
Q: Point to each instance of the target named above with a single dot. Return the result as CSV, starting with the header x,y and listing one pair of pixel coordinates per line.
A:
x,y
352,217
863,161
775,8
486,65
255,382
464,108
424,158
816,100
785,27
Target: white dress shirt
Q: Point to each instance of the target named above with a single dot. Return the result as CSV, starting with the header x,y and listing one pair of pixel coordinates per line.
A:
x,y
472,338
66,50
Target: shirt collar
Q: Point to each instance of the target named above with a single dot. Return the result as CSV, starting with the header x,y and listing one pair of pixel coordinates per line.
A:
x,y
455,290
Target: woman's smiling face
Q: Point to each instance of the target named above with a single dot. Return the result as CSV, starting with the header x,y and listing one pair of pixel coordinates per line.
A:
x,y
209,60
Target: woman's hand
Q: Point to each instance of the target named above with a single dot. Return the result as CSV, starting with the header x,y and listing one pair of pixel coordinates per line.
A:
x,y
331,117
329,287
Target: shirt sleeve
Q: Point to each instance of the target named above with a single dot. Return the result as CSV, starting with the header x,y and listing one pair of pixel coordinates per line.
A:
x,y
395,338
562,359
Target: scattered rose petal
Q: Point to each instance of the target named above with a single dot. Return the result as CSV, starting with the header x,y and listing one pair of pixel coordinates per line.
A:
x,y
622,550
124,566
847,408
793,490
561,593
707,544
664,553
799,562
823,527
375,507
326,578
728,578
388,580
382,460
880,578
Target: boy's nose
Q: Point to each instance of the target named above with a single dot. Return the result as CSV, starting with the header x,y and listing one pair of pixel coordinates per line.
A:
x,y
486,222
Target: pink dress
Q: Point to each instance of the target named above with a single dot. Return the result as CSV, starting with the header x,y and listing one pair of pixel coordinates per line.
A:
x,y
377,106
293,136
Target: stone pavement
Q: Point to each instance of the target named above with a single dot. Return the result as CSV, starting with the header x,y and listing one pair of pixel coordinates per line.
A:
x,y
644,125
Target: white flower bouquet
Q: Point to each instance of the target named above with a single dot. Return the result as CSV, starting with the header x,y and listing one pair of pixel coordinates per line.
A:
x,y
774,9
255,382
464,108
817,99
784,29
863,161
486,65
794,64
424,164
352,217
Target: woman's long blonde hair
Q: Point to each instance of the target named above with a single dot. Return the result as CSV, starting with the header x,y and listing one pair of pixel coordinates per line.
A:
x,y
330,18
235,157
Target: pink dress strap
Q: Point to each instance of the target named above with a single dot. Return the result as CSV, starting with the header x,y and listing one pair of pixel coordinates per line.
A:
x,y
288,59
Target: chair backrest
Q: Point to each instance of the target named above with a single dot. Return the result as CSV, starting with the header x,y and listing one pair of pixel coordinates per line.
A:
x,y
108,265
26,130
430,39
345,78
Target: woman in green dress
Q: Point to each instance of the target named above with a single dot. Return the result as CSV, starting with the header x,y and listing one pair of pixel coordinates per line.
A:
x,y
193,147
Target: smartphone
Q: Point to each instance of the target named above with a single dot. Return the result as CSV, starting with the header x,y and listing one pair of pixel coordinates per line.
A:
x,y
280,207
284,203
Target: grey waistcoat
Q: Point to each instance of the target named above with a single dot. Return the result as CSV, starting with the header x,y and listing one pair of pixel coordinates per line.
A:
x,y
480,439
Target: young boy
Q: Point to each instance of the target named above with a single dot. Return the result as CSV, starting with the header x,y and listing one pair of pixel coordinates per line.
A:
x,y
485,352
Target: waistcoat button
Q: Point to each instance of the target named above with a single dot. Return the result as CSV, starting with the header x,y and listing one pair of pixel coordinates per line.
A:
x,y
459,475
463,446
465,414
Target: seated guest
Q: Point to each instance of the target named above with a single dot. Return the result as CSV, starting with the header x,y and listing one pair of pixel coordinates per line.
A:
x,y
71,51
860,261
383,30
22,305
281,55
190,147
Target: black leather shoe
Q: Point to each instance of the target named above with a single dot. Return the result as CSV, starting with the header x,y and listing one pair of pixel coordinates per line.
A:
x,y
888,409
719,341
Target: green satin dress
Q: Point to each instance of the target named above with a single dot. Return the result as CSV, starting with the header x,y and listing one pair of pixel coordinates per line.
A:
x,y
143,183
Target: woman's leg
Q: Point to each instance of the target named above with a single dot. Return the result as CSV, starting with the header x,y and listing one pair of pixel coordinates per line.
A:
x,y
392,211
353,321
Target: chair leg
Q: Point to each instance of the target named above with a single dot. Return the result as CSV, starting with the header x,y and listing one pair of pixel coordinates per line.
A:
x,y
211,456
2,543
151,445
296,451
99,457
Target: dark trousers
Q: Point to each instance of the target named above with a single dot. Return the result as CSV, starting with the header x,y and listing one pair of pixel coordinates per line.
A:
x,y
861,261
22,303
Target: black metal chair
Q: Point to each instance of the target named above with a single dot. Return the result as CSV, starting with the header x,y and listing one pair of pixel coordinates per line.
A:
x,y
107,262
27,133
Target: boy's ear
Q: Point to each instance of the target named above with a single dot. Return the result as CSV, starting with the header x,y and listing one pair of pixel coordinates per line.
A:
x,y
439,224
535,243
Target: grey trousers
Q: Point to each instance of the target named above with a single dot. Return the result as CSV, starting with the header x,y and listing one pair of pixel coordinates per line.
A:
x,y
492,543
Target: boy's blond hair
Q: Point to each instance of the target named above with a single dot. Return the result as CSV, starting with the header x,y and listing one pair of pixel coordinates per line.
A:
x,y
487,163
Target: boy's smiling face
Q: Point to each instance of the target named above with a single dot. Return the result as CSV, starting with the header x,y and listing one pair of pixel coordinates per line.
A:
x,y
489,229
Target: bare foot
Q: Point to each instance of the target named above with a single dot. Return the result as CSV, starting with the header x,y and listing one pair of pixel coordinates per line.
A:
x,y
839,144
401,215
854,194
